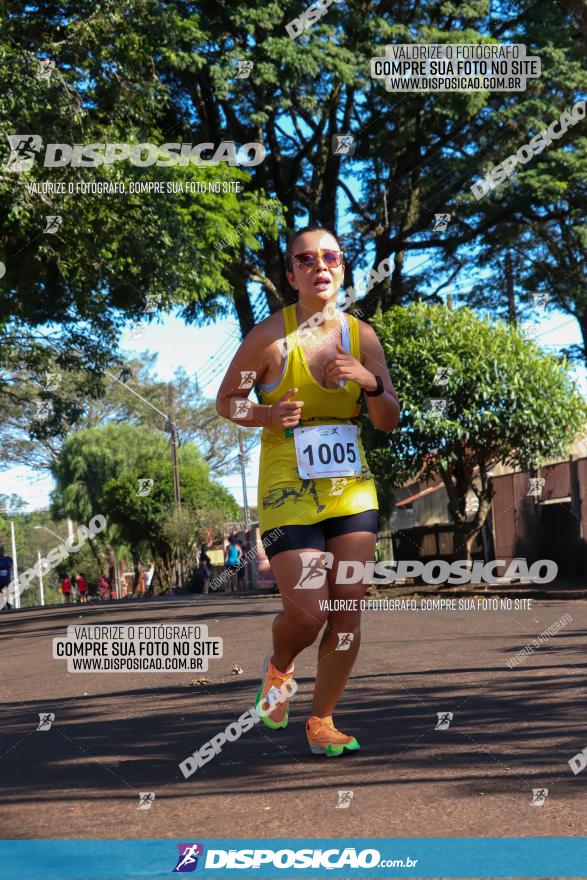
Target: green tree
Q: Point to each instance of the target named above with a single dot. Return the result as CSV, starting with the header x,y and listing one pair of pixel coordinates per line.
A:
x,y
90,458
151,521
148,71
417,153
99,463
23,440
505,401
71,290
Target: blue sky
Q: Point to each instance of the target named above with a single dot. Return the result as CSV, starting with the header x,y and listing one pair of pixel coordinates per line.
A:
x,y
206,351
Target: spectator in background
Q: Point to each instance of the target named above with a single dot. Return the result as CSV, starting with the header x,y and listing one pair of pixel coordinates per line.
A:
x,y
103,587
5,573
82,586
232,555
241,571
66,589
378,552
139,592
149,579
205,568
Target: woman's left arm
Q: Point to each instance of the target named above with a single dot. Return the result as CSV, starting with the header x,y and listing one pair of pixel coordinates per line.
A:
x,y
385,409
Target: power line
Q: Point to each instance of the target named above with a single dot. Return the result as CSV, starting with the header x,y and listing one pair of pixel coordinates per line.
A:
x,y
224,348
221,368
211,370
210,365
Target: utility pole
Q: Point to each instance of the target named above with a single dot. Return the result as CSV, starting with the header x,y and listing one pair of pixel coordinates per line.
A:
x,y
449,301
15,567
170,420
41,592
176,487
509,280
116,576
241,445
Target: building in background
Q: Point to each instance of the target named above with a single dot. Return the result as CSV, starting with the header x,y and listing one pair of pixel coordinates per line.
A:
x,y
539,514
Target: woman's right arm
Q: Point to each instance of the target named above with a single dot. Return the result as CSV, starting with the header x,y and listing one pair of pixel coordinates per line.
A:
x,y
248,368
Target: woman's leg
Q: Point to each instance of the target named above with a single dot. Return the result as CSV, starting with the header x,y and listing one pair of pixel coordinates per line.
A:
x,y
334,666
297,626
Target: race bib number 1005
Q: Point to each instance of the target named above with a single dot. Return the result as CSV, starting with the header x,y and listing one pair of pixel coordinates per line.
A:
x,y
327,451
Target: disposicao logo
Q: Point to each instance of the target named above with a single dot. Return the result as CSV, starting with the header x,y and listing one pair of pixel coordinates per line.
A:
x,y
187,860
24,149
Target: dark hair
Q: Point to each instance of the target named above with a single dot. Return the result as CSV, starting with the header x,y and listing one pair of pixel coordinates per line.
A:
x,y
290,244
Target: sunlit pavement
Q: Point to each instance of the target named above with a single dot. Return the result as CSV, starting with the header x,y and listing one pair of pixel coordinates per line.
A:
x,y
118,734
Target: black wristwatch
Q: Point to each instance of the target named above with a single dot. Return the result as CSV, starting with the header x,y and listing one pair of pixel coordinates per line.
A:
x,y
379,390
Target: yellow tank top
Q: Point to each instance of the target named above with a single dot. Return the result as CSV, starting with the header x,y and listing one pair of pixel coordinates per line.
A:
x,y
284,498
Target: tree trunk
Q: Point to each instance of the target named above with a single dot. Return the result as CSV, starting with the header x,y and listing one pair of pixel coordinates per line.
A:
x,y
111,563
136,564
98,553
581,317
165,570
244,309
274,266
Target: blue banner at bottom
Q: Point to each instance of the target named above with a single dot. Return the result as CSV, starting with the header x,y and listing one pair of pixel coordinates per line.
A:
x,y
358,857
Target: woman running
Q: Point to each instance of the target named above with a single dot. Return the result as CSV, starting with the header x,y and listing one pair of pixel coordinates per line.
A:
x,y
317,502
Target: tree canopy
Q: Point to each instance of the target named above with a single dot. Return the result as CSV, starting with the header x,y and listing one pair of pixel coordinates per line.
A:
x,y
124,473
154,72
148,72
473,395
126,394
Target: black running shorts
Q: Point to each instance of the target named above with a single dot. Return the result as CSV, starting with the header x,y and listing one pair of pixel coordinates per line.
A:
x,y
317,534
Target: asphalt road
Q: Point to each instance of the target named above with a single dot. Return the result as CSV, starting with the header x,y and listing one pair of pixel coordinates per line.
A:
x,y
118,734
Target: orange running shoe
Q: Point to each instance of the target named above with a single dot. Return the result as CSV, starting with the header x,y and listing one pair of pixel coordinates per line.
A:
x,y
325,739
271,697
